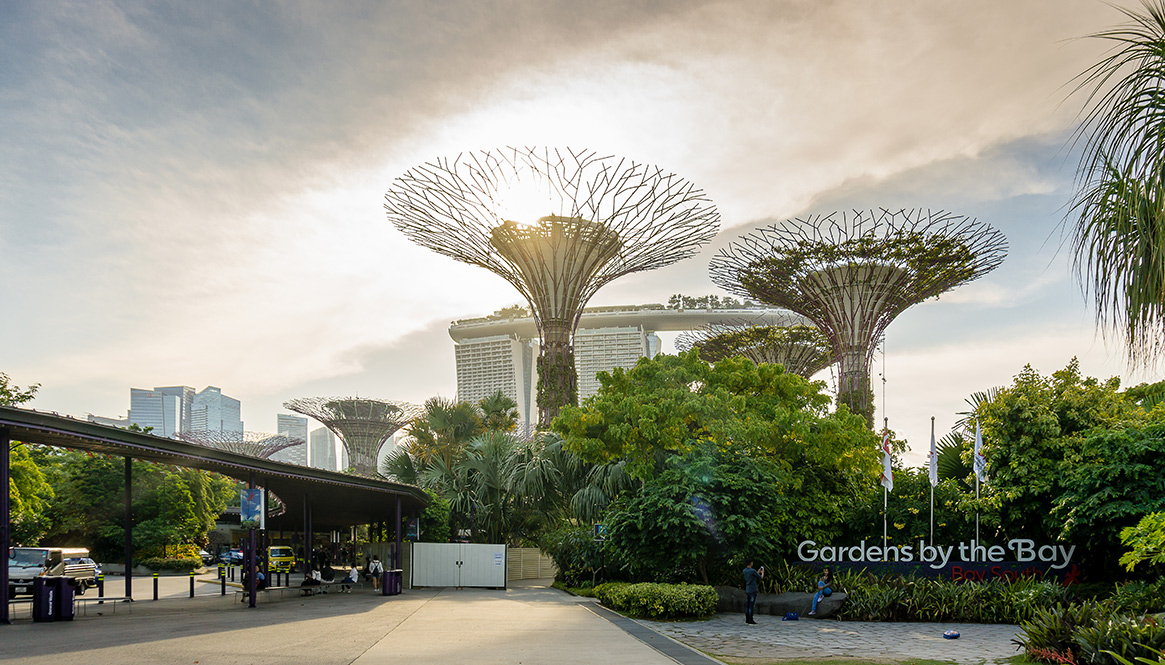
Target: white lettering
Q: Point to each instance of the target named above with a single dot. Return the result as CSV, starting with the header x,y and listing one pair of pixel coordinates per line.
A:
x,y
996,552
801,550
1047,553
1067,554
1024,549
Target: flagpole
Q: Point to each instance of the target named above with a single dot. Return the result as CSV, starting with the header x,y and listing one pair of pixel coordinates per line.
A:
x,y
975,466
932,461
885,491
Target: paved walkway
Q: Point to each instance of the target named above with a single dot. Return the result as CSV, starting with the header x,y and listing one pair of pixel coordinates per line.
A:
x,y
529,624
727,636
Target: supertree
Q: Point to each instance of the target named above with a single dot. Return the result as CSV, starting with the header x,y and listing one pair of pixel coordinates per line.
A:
x,y
851,275
254,444
608,217
362,424
803,350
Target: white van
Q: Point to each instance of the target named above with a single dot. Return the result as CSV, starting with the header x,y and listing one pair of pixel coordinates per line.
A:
x,y
27,563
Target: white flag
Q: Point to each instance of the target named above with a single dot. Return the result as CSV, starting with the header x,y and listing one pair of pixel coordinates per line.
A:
x,y
887,472
980,461
933,458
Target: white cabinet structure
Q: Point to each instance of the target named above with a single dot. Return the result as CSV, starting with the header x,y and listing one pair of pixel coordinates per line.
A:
x,y
459,565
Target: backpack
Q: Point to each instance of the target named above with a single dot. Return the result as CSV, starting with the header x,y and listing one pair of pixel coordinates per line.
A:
x,y
375,568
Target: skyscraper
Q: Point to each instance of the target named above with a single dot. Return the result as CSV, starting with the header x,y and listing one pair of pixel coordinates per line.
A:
x,y
322,453
293,427
213,410
155,410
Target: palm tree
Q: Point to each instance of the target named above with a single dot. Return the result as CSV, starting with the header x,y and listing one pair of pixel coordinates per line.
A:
x,y
443,430
1119,239
499,413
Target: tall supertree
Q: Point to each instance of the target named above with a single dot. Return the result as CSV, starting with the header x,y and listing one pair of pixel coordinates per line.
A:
x,y
362,424
254,444
851,275
803,350
608,217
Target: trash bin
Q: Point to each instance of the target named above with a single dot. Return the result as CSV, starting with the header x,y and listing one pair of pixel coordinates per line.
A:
x,y
64,607
44,594
391,582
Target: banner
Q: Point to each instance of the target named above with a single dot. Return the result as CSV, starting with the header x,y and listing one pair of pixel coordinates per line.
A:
x,y
251,513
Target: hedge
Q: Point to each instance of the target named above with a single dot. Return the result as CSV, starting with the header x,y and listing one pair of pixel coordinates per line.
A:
x,y
658,601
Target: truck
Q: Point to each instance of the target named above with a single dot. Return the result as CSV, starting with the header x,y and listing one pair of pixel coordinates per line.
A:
x,y
280,559
27,563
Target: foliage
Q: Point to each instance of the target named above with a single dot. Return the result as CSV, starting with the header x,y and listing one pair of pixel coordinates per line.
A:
x,y
13,395
908,510
442,431
1049,634
181,564
499,413
1128,637
435,520
577,555
1147,540
1117,477
736,460
680,301
171,506
702,513
659,601
1033,432
1120,222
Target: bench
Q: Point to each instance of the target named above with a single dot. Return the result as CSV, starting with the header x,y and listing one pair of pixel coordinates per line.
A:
x,y
267,590
84,603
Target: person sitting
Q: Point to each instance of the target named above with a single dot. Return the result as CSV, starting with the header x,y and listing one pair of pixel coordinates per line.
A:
x,y
352,578
823,589
311,579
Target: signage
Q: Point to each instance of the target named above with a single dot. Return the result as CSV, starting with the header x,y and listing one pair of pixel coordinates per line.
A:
x,y
964,561
251,509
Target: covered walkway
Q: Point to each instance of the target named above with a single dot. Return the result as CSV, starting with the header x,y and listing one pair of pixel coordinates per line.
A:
x,y
311,499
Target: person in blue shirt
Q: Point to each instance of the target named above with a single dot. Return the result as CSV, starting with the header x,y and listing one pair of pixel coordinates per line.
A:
x,y
752,578
823,589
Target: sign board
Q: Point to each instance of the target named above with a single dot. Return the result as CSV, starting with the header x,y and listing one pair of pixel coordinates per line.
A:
x,y
251,513
965,561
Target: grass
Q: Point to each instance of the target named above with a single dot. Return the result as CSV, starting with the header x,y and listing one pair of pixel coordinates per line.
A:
x,y
1014,660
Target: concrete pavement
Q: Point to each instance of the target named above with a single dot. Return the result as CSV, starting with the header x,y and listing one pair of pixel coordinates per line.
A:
x,y
527,624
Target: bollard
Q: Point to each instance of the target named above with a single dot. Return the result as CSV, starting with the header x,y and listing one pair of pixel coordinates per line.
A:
x,y
155,586
192,584
101,587
222,575
223,582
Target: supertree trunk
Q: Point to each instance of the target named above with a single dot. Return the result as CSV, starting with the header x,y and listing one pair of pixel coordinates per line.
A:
x,y
557,376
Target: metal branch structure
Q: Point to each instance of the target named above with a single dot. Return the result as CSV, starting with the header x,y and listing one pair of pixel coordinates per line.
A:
x,y
362,424
851,275
595,218
255,444
803,350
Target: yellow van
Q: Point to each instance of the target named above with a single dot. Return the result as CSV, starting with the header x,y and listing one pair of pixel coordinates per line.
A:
x,y
280,558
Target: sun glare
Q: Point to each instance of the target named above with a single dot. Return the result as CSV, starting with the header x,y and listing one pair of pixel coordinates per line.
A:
x,y
526,200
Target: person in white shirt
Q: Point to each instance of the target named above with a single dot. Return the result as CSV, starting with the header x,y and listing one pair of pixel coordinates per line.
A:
x,y
376,569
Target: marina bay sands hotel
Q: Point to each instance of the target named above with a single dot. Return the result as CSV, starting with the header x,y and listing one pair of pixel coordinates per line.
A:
x,y
500,352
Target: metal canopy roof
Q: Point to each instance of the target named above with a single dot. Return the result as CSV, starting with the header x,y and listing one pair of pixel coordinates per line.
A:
x,y
337,500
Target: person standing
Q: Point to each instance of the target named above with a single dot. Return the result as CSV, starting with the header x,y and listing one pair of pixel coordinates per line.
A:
x,y
375,569
752,578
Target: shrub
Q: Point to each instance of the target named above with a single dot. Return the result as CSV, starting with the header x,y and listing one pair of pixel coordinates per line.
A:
x,y
659,601
576,554
1049,635
1138,597
183,564
1128,637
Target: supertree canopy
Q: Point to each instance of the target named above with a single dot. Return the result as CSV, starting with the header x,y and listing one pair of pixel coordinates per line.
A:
x,y
851,275
558,225
362,424
803,350
255,444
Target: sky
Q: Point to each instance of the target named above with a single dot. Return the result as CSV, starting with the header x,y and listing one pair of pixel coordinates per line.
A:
x,y
192,193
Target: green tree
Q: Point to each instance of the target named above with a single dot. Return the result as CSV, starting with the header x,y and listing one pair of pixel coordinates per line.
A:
x,y
499,413
1117,478
908,511
1147,540
1030,430
1119,236
443,430
28,491
674,408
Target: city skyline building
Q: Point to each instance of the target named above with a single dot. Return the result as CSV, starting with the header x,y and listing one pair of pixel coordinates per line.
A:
x,y
214,411
322,453
295,428
498,352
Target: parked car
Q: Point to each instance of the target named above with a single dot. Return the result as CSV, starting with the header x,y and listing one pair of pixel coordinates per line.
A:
x,y
207,557
27,563
232,556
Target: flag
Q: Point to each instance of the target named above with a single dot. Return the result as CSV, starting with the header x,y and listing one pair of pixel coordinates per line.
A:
x,y
933,458
887,472
980,461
